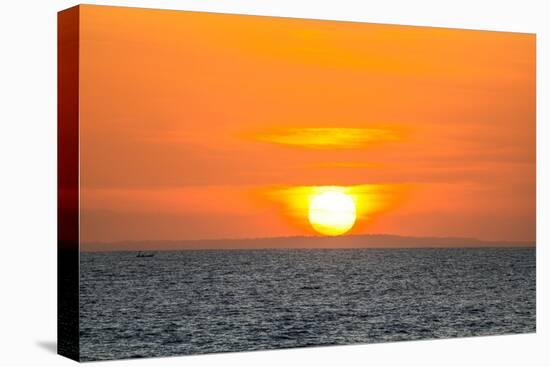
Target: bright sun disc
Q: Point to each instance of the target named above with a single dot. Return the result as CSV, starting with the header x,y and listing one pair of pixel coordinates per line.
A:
x,y
332,213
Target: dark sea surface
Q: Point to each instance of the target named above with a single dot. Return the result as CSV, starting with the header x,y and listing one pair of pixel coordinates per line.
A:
x,y
189,302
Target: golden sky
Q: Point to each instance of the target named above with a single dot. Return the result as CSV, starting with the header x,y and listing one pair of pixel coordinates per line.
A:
x,y
201,126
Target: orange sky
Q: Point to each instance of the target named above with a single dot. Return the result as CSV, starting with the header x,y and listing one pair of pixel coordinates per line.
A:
x,y
197,125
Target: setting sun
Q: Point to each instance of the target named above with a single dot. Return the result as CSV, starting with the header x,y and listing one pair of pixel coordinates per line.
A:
x,y
332,213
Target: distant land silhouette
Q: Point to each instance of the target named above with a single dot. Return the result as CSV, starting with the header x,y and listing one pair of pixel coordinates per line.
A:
x,y
302,242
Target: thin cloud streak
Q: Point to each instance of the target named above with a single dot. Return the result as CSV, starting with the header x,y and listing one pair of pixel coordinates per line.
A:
x,y
329,137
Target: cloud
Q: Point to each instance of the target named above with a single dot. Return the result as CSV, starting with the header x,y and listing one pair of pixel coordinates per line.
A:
x,y
370,165
329,137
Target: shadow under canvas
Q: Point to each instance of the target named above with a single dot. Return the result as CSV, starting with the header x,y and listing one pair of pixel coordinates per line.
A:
x,y
48,345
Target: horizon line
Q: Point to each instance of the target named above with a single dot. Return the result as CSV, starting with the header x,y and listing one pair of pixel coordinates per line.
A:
x,y
316,248
382,241
311,237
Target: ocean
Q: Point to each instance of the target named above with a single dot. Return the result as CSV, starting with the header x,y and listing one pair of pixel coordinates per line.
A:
x,y
210,301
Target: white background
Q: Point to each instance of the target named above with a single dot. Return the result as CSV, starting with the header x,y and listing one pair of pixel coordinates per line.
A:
x,y
28,182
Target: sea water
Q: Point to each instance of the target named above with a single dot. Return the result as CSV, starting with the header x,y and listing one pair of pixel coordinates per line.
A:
x,y
189,302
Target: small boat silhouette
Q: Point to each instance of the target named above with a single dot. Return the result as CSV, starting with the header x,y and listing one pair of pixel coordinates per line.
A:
x,y
141,254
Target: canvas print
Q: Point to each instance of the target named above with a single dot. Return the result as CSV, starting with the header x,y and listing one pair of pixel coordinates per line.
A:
x,y
236,183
